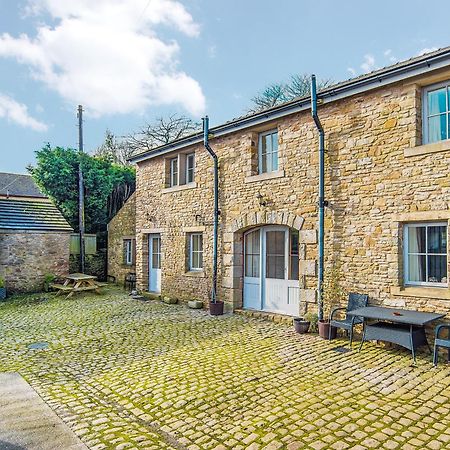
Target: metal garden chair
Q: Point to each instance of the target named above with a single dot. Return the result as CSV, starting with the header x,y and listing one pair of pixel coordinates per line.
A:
x,y
355,301
440,341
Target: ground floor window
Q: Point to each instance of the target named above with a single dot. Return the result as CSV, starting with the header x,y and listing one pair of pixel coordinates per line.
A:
x,y
128,253
196,251
425,254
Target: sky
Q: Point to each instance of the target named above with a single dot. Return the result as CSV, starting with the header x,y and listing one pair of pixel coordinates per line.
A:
x,y
129,62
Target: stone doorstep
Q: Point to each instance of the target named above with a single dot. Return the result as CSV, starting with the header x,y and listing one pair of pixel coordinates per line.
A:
x,y
273,317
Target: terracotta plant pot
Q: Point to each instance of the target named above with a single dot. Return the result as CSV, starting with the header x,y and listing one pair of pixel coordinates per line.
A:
x,y
324,329
301,325
216,309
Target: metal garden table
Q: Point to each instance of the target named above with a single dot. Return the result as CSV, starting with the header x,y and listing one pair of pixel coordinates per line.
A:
x,y
399,326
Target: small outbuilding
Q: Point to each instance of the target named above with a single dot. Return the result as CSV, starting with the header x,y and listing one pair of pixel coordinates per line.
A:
x,y
34,236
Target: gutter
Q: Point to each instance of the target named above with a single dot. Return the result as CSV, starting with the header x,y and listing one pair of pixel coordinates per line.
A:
x,y
216,206
322,202
429,63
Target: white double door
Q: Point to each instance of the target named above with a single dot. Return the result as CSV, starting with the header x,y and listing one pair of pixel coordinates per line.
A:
x,y
154,263
271,270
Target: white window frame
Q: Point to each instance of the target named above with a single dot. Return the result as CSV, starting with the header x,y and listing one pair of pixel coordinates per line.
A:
x,y
128,252
406,253
174,180
191,252
425,91
260,148
179,177
190,156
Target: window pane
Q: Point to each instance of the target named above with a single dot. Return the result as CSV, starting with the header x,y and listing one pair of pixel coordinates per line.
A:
x,y
274,161
437,128
275,267
437,239
437,269
275,242
437,102
294,268
416,239
268,143
195,260
417,269
274,142
190,168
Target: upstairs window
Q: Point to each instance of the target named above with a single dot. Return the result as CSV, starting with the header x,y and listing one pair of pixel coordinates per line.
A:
x,y
173,172
425,254
190,162
268,152
181,169
436,112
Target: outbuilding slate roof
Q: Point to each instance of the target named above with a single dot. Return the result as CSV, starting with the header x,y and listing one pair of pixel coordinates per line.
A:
x,y
17,185
31,215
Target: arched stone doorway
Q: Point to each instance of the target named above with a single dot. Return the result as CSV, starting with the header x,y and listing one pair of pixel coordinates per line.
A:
x,y
259,261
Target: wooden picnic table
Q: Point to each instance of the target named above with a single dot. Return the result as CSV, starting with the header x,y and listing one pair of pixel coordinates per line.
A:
x,y
77,282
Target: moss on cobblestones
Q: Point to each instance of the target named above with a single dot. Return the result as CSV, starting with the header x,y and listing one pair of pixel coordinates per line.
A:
x,y
129,374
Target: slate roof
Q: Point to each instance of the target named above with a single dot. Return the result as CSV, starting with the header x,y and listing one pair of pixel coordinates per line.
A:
x,y
418,64
31,215
19,185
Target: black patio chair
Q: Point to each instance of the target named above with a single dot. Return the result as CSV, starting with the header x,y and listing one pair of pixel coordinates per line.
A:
x,y
440,341
130,281
355,301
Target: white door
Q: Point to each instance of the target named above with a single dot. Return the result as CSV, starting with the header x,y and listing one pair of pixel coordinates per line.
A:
x,y
252,270
154,263
271,270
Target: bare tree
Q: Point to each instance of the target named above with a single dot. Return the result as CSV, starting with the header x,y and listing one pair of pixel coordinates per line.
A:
x,y
277,93
114,149
162,131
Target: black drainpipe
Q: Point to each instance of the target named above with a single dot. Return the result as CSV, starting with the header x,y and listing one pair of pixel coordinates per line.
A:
x,y
216,205
322,202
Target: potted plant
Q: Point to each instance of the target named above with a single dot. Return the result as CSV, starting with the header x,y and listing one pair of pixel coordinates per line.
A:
x,y
216,308
333,295
313,320
2,289
301,325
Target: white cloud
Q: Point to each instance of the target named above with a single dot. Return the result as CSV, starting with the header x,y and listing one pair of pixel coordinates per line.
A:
x,y
107,56
369,63
352,71
17,112
426,50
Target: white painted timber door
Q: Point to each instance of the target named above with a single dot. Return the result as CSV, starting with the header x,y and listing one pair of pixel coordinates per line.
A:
x,y
252,270
154,263
271,270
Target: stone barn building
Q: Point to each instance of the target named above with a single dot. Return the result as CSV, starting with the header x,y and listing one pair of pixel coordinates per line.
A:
x,y
387,186
122,242
34,236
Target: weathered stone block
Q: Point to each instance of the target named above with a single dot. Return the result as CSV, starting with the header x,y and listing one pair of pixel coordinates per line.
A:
x,y
307,267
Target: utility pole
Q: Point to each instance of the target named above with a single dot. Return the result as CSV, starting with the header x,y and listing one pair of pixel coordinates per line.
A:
x,y
81,188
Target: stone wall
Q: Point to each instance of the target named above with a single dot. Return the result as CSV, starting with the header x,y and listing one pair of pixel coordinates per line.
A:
x,y
122,226
26,257
374,184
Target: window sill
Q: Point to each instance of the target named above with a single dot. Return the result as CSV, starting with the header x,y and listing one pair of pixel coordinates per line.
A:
x,y
265,176
195,273
181,187
435,147
421,292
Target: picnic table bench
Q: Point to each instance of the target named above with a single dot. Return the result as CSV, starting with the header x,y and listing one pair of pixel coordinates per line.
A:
x,y
77,282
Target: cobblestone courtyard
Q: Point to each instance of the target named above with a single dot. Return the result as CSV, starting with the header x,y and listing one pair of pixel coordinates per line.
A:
x,y
125,374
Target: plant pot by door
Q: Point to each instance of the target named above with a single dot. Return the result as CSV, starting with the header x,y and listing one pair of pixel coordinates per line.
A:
x,y
216,309
324,329
301,325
